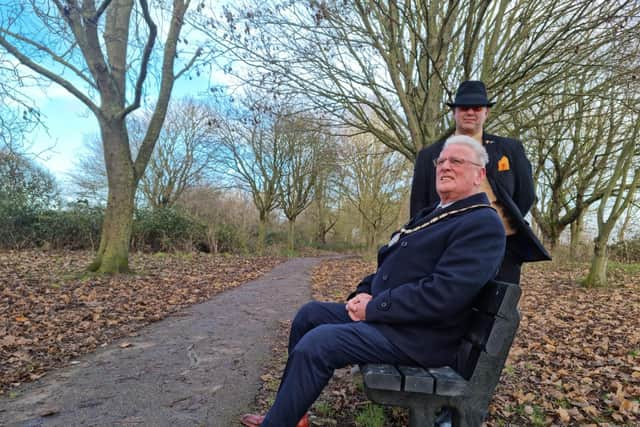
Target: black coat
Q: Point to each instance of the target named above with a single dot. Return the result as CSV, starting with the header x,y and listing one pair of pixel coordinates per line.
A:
x,y
512,187
426,281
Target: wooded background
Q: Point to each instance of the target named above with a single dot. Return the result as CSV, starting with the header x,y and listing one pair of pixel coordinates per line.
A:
x,y
314,142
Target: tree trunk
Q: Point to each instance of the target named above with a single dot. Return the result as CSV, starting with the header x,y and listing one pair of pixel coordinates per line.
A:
x,y
321,230
371,233
113,252
576,233
550,236
627,219
292,235
598,272
321,235
262,233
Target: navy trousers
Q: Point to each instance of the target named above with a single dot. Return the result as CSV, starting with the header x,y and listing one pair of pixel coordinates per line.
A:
x,y
323,338
511,263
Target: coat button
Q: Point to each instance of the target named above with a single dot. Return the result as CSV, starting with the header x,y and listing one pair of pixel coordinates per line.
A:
x,y
383,304
403,244
385,276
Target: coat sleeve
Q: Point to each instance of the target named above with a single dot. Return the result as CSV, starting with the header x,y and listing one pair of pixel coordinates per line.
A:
x,y
364,287
524,194
472,257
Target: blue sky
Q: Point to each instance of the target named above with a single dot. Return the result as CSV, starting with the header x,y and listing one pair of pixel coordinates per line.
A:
x,y
70,124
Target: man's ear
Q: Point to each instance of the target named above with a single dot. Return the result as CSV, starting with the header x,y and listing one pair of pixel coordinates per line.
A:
x,y
482,172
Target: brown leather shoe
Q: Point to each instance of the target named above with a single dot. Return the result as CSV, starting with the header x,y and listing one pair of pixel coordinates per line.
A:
x,y
251,420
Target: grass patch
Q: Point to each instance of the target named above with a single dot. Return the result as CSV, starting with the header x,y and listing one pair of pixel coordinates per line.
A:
x,y
371,415
509,370
633,268
323,409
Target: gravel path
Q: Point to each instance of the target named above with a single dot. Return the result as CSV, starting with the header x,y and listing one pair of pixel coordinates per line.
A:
x,y
199,367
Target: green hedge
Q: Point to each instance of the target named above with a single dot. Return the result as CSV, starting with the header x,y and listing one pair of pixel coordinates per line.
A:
x,y
78,226
18,225
627,251
165,230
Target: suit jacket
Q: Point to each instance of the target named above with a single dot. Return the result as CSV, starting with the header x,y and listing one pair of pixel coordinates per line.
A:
x,y
512,186
427,280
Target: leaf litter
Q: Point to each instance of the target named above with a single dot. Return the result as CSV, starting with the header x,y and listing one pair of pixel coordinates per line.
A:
x,y
575,359
50,314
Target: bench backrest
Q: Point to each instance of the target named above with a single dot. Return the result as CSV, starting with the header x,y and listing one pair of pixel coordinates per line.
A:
x,y
493,326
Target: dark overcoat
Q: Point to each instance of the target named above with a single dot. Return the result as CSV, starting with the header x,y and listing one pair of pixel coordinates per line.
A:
x,y
512,184
427,280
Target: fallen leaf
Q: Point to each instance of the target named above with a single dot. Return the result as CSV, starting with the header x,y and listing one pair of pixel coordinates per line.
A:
x,y
564,415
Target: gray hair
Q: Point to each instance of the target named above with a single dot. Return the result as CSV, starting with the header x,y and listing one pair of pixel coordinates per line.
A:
x,y
480,153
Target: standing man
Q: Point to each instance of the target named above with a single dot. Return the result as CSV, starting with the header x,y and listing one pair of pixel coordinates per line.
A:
x,y
416,307
508,182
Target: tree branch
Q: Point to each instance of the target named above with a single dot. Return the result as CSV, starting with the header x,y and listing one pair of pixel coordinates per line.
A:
x,y
146,54
26,61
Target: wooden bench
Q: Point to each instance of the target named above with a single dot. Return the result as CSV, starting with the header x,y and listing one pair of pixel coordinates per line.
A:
x,y
469,388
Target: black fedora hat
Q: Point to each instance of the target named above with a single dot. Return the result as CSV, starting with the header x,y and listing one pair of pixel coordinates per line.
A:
x,y
471,93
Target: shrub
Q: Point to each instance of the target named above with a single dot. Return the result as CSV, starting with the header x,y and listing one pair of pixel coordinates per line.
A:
x,y
76,227
165,229
229,238
17,225
26,190
627,251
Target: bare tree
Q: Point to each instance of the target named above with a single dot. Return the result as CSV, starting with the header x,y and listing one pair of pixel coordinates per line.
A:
x,y
184,155
375,182
18,113
566,146
253,157
619,184
88,175
103,51
302,147
387,67
631,217
326,192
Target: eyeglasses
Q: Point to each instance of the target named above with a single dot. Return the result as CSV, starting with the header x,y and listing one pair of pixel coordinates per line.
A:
x,y
476,108
455,162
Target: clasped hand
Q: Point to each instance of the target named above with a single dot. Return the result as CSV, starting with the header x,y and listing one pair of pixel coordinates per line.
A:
x,y
357,307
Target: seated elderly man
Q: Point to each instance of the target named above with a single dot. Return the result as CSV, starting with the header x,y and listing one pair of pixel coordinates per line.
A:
x,y
415,308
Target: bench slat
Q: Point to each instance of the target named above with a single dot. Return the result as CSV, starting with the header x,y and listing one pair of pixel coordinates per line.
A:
x,y
382,377
417,379
448,381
